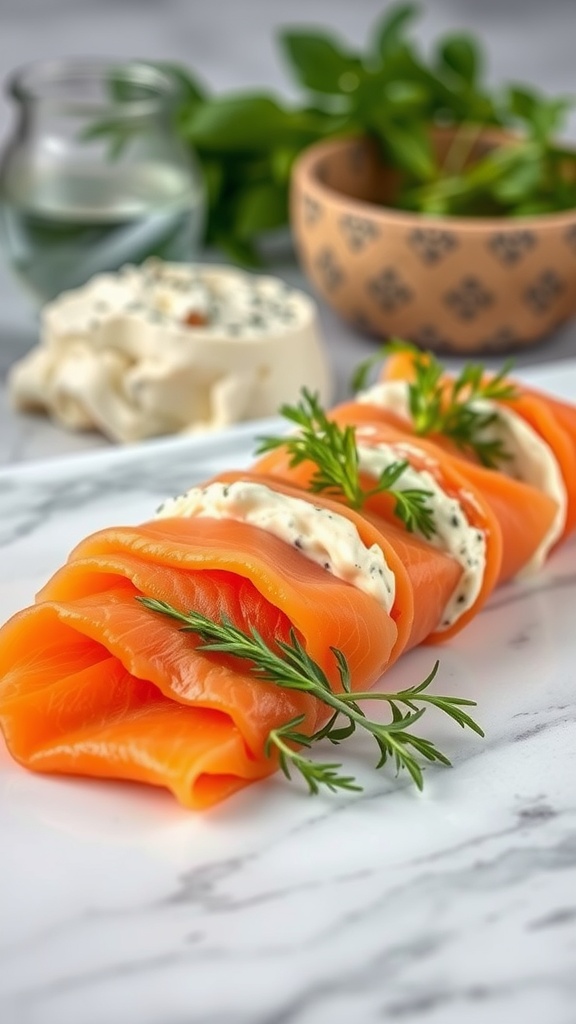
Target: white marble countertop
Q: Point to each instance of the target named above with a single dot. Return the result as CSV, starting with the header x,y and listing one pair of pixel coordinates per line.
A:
x,y
455,906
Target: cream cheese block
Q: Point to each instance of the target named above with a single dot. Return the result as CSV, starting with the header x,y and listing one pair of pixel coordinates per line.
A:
x,y
170,348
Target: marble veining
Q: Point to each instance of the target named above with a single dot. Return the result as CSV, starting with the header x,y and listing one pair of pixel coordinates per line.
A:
x,y
32,498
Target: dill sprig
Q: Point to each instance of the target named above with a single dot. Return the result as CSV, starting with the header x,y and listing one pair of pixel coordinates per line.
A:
x,y
289,666
440,406
333,451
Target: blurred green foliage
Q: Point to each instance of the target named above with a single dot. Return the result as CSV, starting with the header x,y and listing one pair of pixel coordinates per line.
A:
x,y
247,142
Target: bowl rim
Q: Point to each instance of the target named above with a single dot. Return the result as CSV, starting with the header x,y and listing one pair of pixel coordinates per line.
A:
x,y
305,174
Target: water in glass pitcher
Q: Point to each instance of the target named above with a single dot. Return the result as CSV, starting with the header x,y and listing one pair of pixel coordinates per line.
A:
x,y
62,228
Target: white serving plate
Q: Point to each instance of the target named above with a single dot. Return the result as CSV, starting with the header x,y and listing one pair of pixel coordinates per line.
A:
x,y
116,904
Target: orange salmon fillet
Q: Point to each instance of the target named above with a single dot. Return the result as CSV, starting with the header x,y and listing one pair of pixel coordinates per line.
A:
x,y
524,515
92,683
553,420
434,574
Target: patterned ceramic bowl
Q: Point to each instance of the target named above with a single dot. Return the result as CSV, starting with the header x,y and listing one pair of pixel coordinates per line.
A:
x,y
459,285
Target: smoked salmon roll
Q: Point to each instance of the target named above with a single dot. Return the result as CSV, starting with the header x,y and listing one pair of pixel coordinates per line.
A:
x,y
93,683
455,564
527,517
531,487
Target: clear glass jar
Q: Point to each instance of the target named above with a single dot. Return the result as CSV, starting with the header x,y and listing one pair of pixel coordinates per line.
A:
x,y
95,175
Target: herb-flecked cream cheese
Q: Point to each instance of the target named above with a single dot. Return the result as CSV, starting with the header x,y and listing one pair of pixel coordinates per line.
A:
x,y
530,458
453,533
167,348
323,536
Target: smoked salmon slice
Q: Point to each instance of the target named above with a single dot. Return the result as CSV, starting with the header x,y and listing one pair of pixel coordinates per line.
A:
x,y
524,514
563,412
93,683
552,420
434,574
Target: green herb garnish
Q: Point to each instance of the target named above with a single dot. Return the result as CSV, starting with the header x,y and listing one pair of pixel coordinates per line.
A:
x,y
247,142
436,409
333,451
361,373
290,667
439,406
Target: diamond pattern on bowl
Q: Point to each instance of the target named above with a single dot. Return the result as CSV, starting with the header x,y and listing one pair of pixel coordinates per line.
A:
x,y
358,232
510,247
312,210
469,299
544,291
459,284
431,245
330,270
389,291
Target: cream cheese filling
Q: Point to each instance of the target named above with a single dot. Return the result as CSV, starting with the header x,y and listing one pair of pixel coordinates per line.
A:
x,y
453,533
531,460
321,535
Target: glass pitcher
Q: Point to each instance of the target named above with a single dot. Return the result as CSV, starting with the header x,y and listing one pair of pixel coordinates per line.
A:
x,y
95,175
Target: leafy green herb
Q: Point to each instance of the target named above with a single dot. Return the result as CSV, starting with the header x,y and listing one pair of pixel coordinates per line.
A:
x,y
315,773
290,667
334,453
441,407
246,142
520,178
360,376
437,409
